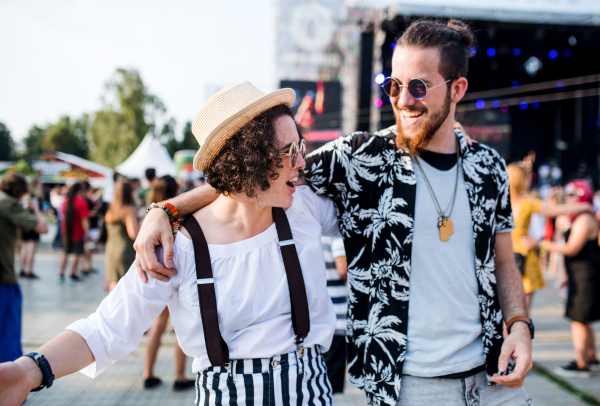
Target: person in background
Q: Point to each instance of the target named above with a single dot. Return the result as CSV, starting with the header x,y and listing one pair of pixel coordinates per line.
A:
x,y
524,206
74,228
86,258
57,197
162,189
12,217
122,227
30,238
582,261
144,192
337,274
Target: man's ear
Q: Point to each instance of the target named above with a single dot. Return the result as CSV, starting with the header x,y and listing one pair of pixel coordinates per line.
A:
x,y
459,88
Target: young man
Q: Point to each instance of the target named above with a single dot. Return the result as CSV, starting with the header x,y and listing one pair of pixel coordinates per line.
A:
x,y
426,222
12,217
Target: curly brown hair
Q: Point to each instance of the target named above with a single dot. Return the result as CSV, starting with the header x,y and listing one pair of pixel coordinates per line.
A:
x,y
247,161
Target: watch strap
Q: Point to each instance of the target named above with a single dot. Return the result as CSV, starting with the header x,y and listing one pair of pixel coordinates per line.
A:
x,y
44,365
515,319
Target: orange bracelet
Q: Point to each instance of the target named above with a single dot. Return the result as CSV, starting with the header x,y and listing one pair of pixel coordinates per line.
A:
x,y
172,209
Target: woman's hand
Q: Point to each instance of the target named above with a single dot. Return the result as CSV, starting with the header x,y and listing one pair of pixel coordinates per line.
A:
x,y
459,127
15,384
530,243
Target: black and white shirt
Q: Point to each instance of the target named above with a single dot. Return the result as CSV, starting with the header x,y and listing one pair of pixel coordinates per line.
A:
x,y
373,186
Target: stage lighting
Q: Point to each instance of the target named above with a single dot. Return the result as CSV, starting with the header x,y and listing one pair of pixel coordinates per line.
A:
x,y
378,102
480,104
491,52
514,84
380,78
535,105
552,54
567,53
504,108
572,40
495,103
523,105
517,51
533,65
560,85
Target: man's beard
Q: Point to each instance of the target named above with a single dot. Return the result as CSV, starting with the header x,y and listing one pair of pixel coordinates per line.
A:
x,y
418,143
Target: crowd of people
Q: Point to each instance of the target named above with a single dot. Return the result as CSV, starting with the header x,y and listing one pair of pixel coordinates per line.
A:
x,y
410,253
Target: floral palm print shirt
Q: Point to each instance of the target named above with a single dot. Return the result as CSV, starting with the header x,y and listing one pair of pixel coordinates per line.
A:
x,y
373,186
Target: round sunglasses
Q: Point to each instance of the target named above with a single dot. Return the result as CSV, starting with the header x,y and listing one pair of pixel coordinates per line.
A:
x,y
295,150
416,87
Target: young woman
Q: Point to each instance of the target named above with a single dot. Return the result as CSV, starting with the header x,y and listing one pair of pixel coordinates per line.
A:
x,y
582,260
267,351
74,228
163,188
122,227
524,206
30,238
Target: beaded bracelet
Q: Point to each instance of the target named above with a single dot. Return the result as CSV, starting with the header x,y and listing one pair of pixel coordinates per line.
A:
x,y
172,209
154,205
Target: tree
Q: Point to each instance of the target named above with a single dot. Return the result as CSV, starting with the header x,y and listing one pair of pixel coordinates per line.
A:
x,y
67,136
188,142
33,141
7,146
129,113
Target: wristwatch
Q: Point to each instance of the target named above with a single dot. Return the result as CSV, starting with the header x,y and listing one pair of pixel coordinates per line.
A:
x,y
524,319
47,375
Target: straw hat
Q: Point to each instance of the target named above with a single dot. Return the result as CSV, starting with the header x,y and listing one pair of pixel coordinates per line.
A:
x,y
225,113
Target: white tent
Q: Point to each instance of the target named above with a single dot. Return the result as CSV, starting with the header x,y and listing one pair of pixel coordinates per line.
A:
x,y
149,154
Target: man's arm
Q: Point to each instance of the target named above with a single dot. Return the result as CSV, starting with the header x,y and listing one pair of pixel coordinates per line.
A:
x,y
512,302
156,230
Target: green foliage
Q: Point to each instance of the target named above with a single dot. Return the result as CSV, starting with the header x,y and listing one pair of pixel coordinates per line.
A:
x,y
188,141
33,141
7,146
68,136
129,113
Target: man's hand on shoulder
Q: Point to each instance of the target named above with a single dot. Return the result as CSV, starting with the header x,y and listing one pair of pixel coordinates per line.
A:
x,y
518,346
155,230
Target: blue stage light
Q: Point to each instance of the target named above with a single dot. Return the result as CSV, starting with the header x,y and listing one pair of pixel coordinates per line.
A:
x,y
517,51
567,53
552,54
535,105
560,85
380,78
495,103
491,52
393,44
523,105
514,84
473,51
480,104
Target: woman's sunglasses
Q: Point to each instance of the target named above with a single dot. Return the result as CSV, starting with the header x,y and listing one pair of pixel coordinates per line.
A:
x,y
416,87
294,152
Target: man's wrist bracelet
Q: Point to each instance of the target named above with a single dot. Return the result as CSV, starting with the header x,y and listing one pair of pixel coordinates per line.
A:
x,y
167,208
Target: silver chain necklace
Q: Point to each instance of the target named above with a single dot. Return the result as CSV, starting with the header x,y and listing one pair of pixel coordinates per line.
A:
x,y
444,222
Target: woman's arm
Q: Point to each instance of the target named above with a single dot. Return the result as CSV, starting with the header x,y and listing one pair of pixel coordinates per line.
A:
x,y
555,210
580,235
132,224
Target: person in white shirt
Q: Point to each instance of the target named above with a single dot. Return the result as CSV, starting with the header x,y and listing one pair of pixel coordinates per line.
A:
x,y
251,152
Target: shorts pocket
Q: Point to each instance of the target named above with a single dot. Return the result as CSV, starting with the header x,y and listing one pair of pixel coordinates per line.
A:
x,y
214,380
314,368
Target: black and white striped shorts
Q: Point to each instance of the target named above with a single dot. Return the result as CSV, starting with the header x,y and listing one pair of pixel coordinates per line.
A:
x,y
280,380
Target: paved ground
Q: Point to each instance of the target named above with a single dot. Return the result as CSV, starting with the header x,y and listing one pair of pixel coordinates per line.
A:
x,y
49,307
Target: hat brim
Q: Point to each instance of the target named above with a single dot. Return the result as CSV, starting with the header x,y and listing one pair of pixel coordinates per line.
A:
x,y
220,135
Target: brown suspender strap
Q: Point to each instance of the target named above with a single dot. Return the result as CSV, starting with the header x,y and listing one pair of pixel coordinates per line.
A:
x,y
216,347
300,314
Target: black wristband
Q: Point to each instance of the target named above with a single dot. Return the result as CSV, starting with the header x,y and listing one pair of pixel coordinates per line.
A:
x,y
47,375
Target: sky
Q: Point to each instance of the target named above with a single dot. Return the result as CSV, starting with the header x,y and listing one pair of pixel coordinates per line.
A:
x,y
55,56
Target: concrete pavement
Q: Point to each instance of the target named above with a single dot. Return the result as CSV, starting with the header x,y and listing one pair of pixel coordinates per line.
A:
x,y
49,307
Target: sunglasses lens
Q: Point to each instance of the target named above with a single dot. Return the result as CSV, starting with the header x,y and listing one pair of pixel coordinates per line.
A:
x,y
391,88
417,88
294,155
